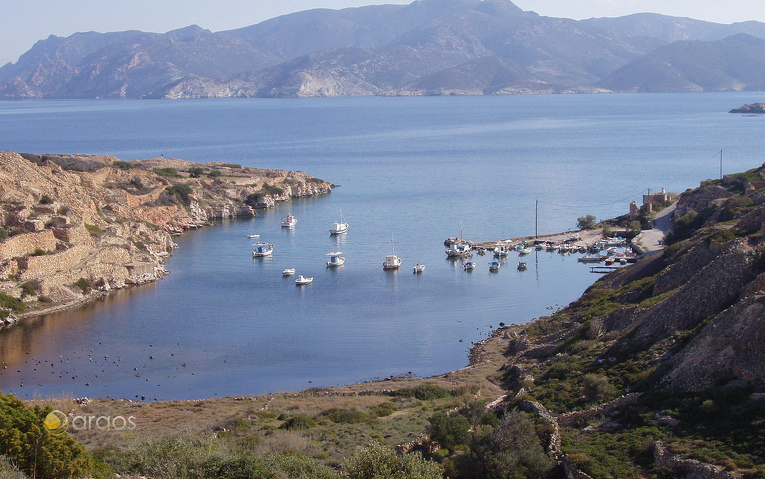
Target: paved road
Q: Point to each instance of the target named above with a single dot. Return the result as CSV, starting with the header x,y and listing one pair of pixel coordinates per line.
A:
x,y
662,223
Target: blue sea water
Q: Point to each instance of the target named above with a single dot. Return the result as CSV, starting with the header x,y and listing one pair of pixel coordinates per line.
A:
x,y
224,323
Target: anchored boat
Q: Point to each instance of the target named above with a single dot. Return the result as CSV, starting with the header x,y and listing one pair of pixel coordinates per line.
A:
x,y
262,249
336,258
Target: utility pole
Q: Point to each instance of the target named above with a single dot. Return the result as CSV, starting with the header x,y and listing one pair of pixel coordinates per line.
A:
x,y
721,164
536,221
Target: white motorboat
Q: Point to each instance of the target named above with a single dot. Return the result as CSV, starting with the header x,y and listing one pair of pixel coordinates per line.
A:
x,y
469,266
418,268
340,227
262,249
392,261
301,280
336,258
501,249
289,221
524,251
253,236
494,266
288,272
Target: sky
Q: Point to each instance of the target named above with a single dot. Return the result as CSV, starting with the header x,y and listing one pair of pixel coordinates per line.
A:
x,y
24,23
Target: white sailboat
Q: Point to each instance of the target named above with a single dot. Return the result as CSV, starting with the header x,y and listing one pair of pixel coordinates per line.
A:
x,y
392,261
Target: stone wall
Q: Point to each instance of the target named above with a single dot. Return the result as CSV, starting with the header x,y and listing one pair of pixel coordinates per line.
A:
x,y
33,267
74,235
606,409
26,243
687,467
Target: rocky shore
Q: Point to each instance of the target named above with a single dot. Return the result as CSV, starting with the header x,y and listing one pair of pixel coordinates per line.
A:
x,y
74,227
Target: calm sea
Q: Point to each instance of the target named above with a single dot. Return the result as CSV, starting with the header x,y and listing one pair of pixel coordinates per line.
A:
x,y
223,323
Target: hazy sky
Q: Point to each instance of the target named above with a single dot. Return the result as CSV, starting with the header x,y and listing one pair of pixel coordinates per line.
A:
x,y
24,23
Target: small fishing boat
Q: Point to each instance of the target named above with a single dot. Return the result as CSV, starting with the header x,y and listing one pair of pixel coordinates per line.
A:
x,y
494,266
459,248
469,266
590,258
501,250
339,227
288,272
253,236
336,258
418,268
289,221
522,266
524,251
301,280
262,249
392,261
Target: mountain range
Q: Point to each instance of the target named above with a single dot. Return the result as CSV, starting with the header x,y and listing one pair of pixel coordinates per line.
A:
x,y
428,47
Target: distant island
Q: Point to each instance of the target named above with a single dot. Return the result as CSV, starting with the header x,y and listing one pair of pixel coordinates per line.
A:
x,y
751,108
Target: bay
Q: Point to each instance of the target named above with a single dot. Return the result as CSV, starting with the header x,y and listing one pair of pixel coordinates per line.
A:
x,y
416,168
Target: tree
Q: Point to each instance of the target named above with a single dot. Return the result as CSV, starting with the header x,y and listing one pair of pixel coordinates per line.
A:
x,y
377,461
512,450
449,431
586,222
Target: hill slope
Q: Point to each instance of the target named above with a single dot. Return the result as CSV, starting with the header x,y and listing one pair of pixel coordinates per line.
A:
x,y
395,47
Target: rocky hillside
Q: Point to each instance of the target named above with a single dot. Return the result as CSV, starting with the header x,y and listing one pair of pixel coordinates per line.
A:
x,y
659,369
429,47
74,226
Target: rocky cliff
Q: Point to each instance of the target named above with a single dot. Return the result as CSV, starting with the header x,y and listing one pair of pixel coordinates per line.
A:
x,y
72,226
682,333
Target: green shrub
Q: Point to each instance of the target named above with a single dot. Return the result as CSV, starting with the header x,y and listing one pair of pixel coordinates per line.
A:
x,y
9,302
586,222
181,193
123,165
300,423
83,284
214,174
231,165
350,416
33,449
38,252
424,392
596,387
167,172
196,172
46,200
3,234
377,462
30,288
511,450
271,190
93,229
180,457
